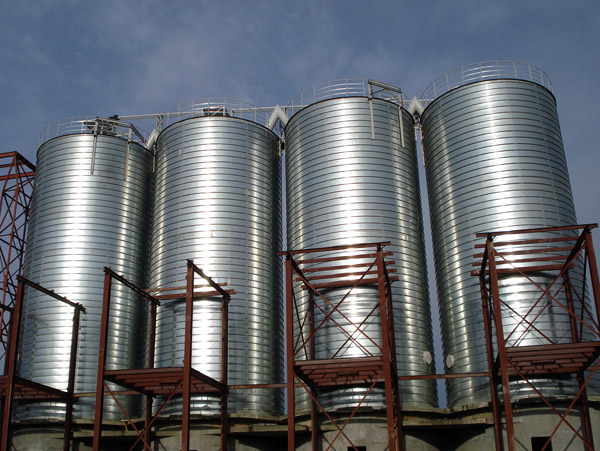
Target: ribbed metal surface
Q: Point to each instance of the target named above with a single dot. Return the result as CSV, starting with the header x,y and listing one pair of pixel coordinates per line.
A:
x,y
79,223
218,202
343,187
494,161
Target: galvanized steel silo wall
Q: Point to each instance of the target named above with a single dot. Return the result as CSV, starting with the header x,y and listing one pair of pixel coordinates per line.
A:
x,y
90,209
494,161
345,186
218,201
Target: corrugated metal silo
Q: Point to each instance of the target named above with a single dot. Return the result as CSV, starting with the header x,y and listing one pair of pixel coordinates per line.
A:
x,y
494,161
352,177
218,202
90,209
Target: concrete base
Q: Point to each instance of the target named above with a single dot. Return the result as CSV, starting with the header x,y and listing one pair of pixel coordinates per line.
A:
x,y
469,429
40,437
533,424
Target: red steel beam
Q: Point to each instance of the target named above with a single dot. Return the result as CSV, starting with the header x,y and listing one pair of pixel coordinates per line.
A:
x,y
147,426
541,250
487,322
341,258
16,387
71,379
336,276
20,158
15,198
510,431
354,411
289,345
15,326
525,260
187,359
542,360
102,361
394,424
224,369
151,350
307,390
354,266
312,355
345,283
335,308
26,389
535,241
167,381
335,372
196,296
593,270
538,230
333,248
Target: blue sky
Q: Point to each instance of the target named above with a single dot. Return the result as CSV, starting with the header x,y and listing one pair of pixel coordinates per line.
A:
x,y
70,58
66,58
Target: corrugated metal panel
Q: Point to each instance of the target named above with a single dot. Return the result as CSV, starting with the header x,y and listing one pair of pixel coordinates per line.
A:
x,y
343,187
494,161
79,223
218,202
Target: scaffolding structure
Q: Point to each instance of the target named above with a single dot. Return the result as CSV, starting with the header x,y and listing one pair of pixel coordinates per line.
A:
x,y
184,381
566,255
16,177
343,267
14,387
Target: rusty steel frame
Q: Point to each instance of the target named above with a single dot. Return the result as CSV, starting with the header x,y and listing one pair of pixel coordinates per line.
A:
x,y
312,374
556,256
17,178
14,387
151,381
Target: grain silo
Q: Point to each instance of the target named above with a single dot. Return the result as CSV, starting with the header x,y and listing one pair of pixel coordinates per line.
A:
x,y
351,177
494,161
90,209
218,201
212,192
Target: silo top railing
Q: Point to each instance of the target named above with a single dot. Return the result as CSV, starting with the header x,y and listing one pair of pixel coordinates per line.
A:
x,y
217,107
354,87
93,125
486,70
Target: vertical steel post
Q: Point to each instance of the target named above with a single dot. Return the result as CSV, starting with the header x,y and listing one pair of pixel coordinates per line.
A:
x,y
4,198
71,380
593,266
585,410
510,431
13,342
311,356
224,369
6,270
14,211
487,322
393,359
102,361
187,358
289,346
13,217
151,350
593,269
395,438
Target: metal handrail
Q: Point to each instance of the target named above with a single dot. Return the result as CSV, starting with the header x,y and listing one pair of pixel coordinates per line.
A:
x,y
217,107
90,125
485,70
349,87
